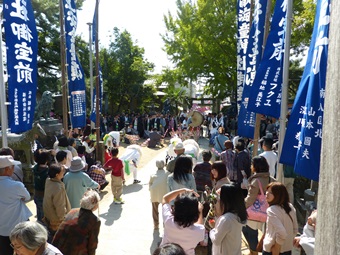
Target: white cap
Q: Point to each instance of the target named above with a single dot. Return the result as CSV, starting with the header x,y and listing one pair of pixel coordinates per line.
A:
x,y
6,161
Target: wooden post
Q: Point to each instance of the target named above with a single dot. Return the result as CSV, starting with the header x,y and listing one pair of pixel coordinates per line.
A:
x,y
328,223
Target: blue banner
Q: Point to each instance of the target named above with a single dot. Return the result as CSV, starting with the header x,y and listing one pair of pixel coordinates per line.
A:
x,y
246,119
94,99
75,73
22,50
243,24
266,92
302,144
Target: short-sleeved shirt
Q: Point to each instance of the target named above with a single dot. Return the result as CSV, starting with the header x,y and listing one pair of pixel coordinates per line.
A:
x,y
188,237
116,165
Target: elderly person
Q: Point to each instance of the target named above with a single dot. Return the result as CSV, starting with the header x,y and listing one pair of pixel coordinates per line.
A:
x,y
157,188
78,233
76,182
179,150
12,203
30,238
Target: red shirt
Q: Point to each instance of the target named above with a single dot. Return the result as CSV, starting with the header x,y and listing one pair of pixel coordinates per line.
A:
x,y
107,156
117,166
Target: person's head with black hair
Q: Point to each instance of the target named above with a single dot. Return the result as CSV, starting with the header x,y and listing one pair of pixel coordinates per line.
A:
x,y
56,171
72,142
185,210
6,151
231,200
169,249
228,145
240,145
259,164
218,171
183,166
61,157
114,152
81,150
42,157
206,155
62,141
267,144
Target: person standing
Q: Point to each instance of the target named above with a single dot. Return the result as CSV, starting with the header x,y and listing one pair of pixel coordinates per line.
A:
x,y
157,188
282,224
77,182
270,155
12,203
117,175
182,177
228,157
78,233
202,172
55,204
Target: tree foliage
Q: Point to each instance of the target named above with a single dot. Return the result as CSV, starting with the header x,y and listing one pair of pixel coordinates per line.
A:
x,y
124,71
201,41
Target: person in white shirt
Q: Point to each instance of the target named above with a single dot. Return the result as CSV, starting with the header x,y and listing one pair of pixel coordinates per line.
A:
x,y
270,155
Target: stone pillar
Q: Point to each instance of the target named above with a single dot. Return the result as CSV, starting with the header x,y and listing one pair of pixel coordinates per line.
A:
x,y
328,220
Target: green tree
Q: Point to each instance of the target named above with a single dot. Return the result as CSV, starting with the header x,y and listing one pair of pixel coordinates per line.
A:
x,y
124,71
201,41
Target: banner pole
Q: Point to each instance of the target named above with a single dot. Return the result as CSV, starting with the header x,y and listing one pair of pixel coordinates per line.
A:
x,y
63,71
3,106
97,82
285,85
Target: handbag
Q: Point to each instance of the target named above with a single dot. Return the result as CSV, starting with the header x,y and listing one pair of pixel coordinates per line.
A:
x,y
258,210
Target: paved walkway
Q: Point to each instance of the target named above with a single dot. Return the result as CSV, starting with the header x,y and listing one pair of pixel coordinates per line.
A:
x,y
128,229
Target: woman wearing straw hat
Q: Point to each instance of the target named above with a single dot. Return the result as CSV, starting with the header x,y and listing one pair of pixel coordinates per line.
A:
x,y
77,181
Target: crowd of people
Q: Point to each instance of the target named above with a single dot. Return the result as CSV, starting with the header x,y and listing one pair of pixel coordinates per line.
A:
x,y
203,204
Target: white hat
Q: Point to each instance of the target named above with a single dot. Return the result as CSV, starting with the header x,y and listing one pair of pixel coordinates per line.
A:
x,y
6,161
179,146
77,164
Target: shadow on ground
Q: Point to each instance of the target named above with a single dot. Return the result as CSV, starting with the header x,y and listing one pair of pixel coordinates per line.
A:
x,y
112,214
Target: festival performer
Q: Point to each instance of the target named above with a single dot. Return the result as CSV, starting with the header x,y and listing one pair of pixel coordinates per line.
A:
x,y
131,158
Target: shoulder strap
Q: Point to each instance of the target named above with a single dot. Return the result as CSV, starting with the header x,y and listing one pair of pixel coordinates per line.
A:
x,y
260,186
219,143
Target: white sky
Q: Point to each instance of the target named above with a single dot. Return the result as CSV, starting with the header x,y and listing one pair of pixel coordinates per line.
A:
x,y
143,19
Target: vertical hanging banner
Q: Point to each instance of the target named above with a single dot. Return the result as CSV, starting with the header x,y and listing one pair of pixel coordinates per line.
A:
x,y
94,99
246,119
267,87
243,24
75,73
302,143
22,49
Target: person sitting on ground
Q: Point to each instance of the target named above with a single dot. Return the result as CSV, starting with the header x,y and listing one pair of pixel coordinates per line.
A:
x,y
181,177
13,200
169,249
183,223
202,172
155,139
157,188
78,233
97,173
307,239
30,238
77,182
115,165
55,204
18,174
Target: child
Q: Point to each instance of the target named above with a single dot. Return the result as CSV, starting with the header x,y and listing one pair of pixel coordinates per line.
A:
x,y
97,173
281,221
117,176
157,188
307,239
226,236
183,223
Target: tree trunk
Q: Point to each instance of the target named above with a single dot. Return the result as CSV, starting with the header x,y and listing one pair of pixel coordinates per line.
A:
x,y
328,220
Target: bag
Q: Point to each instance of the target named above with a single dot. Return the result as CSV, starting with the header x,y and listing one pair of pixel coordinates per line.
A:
x,y
258,211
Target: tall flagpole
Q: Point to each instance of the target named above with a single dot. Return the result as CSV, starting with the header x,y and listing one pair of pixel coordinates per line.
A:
x,y
285,85
63,68
91,65
97,82
3,105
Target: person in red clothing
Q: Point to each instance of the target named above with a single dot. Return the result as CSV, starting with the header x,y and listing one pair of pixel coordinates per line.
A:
x,y
117,175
